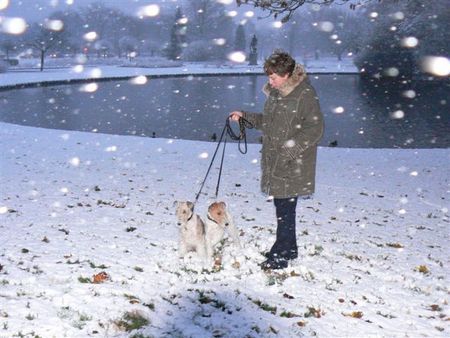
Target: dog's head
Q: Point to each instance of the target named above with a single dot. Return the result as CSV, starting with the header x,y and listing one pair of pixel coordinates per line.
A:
x,y
217,211
184,211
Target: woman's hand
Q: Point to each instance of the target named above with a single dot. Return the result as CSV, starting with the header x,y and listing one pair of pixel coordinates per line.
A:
x,y
235,115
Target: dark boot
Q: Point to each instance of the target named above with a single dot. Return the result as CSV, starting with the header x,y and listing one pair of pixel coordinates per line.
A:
x,y
274,264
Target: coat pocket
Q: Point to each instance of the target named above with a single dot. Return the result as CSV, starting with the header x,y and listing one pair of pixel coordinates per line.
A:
x,y
286,167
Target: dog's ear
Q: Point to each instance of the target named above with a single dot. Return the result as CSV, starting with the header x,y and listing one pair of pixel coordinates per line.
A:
x,y
190,205
223,204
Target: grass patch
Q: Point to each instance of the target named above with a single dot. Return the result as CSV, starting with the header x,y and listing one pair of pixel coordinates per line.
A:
x,y
132,321
95,266
84,280
265,307
287,314
205,299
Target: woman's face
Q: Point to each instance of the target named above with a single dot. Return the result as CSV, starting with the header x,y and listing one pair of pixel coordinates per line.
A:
x,y
276,81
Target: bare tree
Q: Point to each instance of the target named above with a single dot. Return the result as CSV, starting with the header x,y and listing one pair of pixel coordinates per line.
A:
x,y
286,8
129,44
208,20
43,40
7,44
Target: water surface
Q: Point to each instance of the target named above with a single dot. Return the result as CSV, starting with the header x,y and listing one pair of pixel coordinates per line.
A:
x,y
357,114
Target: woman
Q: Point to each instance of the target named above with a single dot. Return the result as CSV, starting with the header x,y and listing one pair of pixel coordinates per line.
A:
x,y
292,126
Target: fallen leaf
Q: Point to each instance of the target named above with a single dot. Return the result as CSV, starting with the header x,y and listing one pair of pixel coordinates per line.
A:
x,y
354,314
285,295
100,277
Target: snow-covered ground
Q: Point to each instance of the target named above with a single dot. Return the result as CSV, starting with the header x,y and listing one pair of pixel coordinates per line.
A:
x,y
373,242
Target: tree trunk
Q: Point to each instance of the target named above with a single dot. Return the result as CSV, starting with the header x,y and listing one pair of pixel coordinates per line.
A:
x,y
42,60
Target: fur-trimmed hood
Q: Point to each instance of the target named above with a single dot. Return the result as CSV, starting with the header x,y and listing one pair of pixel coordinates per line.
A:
x,y
297,77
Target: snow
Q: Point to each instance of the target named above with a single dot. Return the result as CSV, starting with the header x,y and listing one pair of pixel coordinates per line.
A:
x,y
153,67
373,255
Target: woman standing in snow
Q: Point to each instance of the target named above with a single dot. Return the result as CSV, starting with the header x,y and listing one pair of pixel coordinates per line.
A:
x,y
292,126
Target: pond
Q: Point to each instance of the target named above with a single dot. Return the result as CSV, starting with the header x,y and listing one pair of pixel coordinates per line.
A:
x,y
358,114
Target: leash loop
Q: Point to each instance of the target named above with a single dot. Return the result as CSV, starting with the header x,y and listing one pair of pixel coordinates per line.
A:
x,y
243,123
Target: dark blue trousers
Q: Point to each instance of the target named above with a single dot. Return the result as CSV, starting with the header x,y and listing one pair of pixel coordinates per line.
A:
x,y
285,246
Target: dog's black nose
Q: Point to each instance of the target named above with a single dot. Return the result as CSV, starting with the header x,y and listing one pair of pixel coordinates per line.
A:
x,y
227,224
178,223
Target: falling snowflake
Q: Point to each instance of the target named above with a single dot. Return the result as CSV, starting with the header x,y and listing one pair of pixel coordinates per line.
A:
x,y
410,94
436,65
139,80
111,149
54,25
75,161
409,42
398,114
78,69
90,36
4,4
13,26
89,88
149,11
325,26
237,57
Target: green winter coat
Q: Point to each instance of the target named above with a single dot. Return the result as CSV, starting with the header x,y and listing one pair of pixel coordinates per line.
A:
x,y
292,126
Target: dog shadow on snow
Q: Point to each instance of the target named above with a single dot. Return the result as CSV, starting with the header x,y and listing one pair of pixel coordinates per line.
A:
x,y
199,311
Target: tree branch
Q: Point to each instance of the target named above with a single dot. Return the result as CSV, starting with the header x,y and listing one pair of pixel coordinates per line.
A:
x,y
287,7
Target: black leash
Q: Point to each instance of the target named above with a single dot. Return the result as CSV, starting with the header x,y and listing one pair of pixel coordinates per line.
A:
x,y
227,131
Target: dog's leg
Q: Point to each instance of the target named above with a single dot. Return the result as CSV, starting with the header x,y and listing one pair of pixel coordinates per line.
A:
x,y
202,251
182,249
233,231
209,250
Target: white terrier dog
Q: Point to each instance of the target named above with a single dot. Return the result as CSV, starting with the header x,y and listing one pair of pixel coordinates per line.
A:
x,y
218,222
192,230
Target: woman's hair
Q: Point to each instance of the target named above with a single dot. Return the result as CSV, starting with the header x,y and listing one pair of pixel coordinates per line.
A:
x,y
280,63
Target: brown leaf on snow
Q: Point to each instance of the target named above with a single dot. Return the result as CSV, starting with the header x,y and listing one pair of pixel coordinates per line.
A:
x,y
354,314
313,312
435,307
395,245
236,265
422,269
100,277
285,295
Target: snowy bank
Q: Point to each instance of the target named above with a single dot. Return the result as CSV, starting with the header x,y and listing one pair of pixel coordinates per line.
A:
x,y
107,72
373,255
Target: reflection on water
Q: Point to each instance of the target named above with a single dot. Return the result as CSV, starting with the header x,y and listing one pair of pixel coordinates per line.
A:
x,y
357,113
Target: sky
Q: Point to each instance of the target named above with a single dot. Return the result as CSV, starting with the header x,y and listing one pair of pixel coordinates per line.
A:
x,y
39,9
